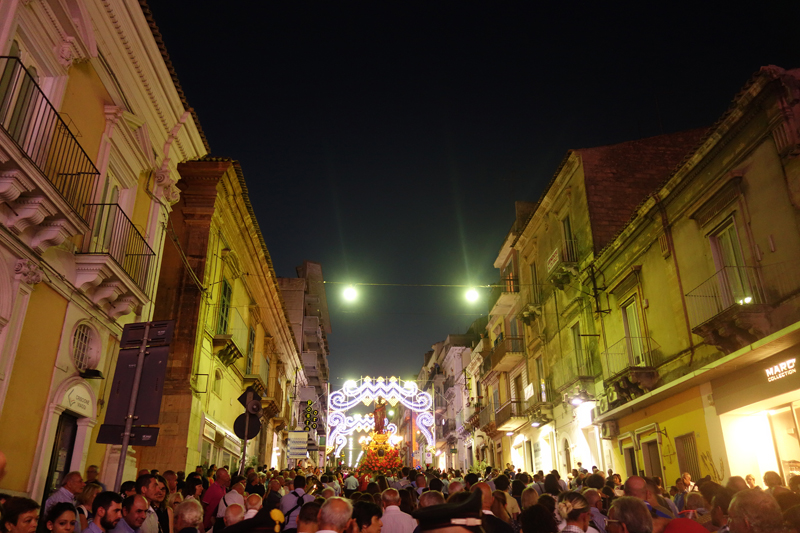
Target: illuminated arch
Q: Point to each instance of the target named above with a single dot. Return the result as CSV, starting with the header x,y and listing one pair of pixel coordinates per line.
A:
x,y
366,391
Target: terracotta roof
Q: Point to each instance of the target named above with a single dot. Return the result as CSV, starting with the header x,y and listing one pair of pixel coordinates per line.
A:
x,y
620,176
148,15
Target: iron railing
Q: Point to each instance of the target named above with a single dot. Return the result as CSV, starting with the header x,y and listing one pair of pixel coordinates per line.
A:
x,y
114,234
486,415
570,368
511,408
630,352
741,286
507,345
569,251
507,284
449,383
28,117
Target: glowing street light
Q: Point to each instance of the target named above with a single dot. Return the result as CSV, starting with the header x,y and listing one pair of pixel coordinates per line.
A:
x,y
350,293
391,413
472,295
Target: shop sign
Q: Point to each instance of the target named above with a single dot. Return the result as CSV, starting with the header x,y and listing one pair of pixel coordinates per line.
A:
x,y
781,370
78,400
552,261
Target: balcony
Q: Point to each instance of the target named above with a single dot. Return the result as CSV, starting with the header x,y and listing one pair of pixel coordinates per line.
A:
x,y
486,419
562,263
632,358
486,366
230,341
260,379
310,364
510,415
114,262
733,308
507,354
272,402
439,403
504,295
46,179
571,368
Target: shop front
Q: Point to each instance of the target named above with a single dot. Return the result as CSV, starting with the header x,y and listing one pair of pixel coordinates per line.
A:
x,y
576,438
759,409
220,446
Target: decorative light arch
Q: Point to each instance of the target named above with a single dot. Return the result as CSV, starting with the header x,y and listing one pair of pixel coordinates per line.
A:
x,y
366,391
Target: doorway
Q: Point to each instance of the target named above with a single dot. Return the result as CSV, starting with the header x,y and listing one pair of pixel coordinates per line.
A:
x,y
61,458
651,459
630,462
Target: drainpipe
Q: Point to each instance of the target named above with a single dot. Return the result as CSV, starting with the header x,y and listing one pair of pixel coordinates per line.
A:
x,y
670,243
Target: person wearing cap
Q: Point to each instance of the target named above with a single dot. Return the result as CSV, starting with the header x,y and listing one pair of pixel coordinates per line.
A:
x,y
465,517
491,523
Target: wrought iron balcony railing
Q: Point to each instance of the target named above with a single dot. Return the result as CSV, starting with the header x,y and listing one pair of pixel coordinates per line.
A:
x,y
31,121
742,286
114,234
571,367
507,346
507,284
630,352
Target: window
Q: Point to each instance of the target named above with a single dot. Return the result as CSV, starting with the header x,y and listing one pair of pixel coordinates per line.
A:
x,y
570,251
224,308
496,398
218,382
542,383
732,273
251,347
633,334
85,347
575,330
536,295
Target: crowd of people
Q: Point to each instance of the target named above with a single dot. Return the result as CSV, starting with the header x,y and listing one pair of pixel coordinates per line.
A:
x,y
309,500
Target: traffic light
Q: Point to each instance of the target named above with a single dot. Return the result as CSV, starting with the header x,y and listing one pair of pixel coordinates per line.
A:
x,y
310,418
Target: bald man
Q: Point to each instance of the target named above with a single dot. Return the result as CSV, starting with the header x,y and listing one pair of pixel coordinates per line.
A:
x,y
636,487
234,513
253,504
595,508
334,515
455,486
491,523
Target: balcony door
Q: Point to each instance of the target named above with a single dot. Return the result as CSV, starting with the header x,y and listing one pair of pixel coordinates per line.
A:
x,y
633,333
734,284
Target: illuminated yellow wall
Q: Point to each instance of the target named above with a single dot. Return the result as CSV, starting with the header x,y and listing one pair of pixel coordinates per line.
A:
x,y
84,101
27,398
748,443
678,415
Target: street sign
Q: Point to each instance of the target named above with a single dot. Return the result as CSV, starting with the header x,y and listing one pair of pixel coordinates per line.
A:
x,y
111,434
297,444
253,426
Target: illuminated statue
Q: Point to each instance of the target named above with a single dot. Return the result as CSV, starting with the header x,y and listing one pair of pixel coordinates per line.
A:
x,y
380,416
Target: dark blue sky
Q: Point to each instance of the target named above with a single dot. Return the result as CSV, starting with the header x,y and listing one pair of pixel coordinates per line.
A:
x,y
388,140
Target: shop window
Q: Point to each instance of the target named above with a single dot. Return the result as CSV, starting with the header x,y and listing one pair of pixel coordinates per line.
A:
x,y
85,347
226,293
218,382
688,460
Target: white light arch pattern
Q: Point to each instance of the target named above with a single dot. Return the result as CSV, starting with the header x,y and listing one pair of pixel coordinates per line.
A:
x,y
366,391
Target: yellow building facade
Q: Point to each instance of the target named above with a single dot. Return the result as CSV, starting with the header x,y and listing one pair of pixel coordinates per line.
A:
x,y
92,126
232,328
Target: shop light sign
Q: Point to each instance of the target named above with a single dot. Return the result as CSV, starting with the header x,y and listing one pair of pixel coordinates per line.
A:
x,y
781,370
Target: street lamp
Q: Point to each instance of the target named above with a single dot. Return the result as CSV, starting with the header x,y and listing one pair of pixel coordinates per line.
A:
x,y
472,295
350,293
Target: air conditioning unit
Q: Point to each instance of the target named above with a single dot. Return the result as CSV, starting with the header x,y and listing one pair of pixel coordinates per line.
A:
x,y
602,404
596,412
610,429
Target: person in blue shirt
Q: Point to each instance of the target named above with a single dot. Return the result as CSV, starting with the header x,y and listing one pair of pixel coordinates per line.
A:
x,y
107,511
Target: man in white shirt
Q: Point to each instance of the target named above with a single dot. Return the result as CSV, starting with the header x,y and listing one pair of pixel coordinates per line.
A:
x,y
394,520
334,515
350,485
234,496
292,502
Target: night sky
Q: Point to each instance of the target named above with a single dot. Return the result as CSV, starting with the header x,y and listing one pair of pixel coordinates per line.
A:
x,y
389,140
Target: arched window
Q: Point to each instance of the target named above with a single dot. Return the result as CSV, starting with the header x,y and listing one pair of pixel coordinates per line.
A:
x,y
85,347
218,382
